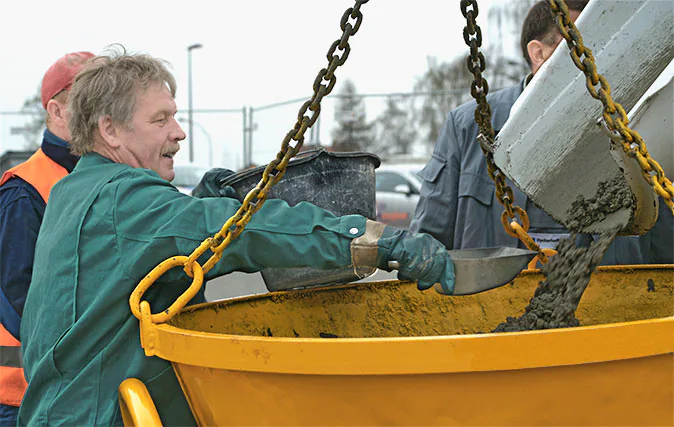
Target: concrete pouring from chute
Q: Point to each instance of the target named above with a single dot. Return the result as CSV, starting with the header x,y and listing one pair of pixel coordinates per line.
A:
x,y
553,146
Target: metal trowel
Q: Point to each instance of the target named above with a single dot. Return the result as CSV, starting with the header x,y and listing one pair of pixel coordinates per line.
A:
x,y
478,270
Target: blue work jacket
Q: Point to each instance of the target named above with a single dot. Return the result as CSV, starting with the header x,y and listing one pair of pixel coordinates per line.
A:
x,y
21,212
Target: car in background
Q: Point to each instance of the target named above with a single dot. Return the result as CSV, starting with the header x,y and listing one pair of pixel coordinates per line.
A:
x,y
397,192
188,176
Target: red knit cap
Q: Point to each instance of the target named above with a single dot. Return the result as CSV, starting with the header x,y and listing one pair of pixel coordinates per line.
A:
x,y
60,76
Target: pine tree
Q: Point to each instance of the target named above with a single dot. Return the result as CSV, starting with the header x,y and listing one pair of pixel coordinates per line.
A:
x,y
353,132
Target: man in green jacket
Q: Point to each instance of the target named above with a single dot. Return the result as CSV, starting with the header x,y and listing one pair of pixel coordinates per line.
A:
x,y
117,216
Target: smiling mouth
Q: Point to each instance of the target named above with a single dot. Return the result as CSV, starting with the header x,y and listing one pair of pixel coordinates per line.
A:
x,y
170,154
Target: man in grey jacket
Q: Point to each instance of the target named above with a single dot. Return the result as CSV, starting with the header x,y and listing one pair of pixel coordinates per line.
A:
x,y
458,205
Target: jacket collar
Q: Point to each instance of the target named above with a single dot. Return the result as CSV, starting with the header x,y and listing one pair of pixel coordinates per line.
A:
x,y
58,150
92,159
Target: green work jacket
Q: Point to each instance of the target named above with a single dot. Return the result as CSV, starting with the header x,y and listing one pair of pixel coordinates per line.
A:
x,y
105,227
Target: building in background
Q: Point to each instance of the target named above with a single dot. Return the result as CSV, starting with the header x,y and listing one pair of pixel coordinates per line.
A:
x,y
9,159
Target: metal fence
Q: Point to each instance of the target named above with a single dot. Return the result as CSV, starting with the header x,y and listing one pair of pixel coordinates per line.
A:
x,y
232,138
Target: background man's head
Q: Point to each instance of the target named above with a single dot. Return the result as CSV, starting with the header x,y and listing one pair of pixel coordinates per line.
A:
x,y
122,106
540,35
56,84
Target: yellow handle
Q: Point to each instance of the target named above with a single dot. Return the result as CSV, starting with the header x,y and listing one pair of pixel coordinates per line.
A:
x,y
136,404
547,252
521,232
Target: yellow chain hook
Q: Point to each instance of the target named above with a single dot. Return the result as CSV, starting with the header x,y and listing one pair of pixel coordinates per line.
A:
x,y
156,273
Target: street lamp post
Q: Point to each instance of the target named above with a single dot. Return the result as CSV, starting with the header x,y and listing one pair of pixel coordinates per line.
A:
x,y
210,141
189,96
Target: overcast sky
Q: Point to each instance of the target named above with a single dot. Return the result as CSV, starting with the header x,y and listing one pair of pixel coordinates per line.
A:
x,y
255,52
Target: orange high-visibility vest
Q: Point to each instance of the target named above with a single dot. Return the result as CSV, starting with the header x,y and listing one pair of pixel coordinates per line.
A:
x,y
42,173
12,382
39,171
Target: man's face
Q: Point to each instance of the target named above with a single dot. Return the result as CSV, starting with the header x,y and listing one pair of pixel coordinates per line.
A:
x,y
549,48
541,50
153,137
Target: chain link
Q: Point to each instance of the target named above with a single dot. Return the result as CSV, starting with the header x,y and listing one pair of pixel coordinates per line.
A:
x,y
307,116
479,89
614,116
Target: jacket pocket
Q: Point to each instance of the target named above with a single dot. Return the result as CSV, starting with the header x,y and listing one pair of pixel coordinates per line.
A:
x,y
476,187
432,170
76,387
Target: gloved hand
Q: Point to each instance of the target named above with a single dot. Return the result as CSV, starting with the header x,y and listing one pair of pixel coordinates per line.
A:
x,y
420,256
210,185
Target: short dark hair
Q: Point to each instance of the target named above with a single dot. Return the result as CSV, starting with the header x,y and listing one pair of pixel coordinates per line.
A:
x,y
539,25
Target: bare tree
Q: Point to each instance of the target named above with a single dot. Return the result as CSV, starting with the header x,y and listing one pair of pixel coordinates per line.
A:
x,y
446,85
394,129
32,129
505,63
352,132
449,82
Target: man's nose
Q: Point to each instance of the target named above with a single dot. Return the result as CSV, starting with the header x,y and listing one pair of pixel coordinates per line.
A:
x,y
178,134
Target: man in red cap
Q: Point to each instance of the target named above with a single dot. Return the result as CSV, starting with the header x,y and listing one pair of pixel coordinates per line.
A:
x,y
24,191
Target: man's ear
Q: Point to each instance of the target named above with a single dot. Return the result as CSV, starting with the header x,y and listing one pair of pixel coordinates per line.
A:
x,y
108,131
536,51
56,110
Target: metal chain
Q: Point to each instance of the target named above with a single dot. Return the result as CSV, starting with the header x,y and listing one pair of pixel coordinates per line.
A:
x,y
479,89
614,116
322,86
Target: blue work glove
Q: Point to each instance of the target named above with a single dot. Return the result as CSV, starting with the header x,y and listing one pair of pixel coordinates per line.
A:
x,y
421,258
210,185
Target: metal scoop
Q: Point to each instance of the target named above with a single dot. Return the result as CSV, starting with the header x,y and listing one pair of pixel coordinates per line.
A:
x,y
478,270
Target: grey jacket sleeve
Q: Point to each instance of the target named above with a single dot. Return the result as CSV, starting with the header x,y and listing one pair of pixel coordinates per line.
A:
x,y
436,210
654,247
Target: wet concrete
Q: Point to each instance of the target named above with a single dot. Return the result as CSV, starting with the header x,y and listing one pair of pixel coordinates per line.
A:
x,y
611,196
567,275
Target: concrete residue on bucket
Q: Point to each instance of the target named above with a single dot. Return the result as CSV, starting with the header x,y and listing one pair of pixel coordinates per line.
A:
x,y
611,196
567,275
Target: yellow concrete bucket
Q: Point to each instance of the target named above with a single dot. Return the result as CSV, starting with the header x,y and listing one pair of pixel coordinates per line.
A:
x,y
384,353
